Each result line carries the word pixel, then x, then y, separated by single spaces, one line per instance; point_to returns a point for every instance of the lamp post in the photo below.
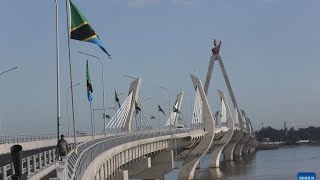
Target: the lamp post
pixel 68 106
pixel 164 88
pixel 8 70
pixel 173 143
pixel 100 109
pixel 2 74
pixel 103 90
pixel 129 76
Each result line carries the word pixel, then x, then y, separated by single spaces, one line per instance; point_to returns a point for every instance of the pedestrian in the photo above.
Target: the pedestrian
pixel 62 147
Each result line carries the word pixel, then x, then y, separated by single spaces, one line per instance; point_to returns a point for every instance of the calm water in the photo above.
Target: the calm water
pixel 283 163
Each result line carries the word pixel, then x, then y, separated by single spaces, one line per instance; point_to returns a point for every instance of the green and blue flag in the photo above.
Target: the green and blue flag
pixel 81 30
pixel 89 85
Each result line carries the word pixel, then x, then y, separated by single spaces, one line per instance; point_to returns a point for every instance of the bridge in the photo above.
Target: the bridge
pixel 132 148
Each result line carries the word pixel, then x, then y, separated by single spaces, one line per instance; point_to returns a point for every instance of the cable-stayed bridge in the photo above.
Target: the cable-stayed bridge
pixel 133 148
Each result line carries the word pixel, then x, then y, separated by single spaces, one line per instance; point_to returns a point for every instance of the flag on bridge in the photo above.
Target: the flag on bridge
pixel 89 85
pixel 116 98
pixel 161 110
pixel 81 30
pixel 137 107
pixel 175 110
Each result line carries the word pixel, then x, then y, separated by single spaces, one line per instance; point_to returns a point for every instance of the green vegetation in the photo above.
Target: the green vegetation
pixel 289 137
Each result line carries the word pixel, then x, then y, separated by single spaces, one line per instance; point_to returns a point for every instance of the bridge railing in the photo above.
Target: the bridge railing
pixel 32 137
pixel 31 164
pixel 87 152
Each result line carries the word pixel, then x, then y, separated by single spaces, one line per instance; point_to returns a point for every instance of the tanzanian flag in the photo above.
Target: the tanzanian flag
pixel 89 85
pixel 81 30
pixel 161 110
pixel 175 110
pixel 116 98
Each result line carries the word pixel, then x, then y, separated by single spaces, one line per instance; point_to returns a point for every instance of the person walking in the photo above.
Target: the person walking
pixel 62 147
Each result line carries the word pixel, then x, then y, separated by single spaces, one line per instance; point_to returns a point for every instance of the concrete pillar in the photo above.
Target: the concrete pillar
pixel 40 160
pixel 126 158
pixel 122 158
pixel 50 157
pixel 54 155
pixel 34 163
pixel 134 155
pixel 139 166
pixel 118 162
pixel 61 169
pixel 97 175
pixel 28 165
pixel 108 169
pixel 188 167
pixel 101 172
pixel 160 164
pixel 104 171
pixel 4 172
pixel 122 175
pixel 145 149
pixel 45 158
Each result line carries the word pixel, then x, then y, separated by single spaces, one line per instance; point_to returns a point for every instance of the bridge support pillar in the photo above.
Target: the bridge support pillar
pixel 228 151
pixel 122 175
pixel 160 164
pixel 240 145
pixel 139 166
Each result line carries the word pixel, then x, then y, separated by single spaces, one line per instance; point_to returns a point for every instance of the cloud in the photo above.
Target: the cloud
pixel 184 2
pixel 267 1
pixel 140 3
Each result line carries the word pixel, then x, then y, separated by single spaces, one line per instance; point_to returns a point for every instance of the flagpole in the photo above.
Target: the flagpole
pixel 92 124
pixel 158 120
pixel 70 75
pixel 58 71
pixel 103 90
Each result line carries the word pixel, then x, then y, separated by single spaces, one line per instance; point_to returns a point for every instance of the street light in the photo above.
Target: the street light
pixel 100 109
pixel 164 88
pixel 146 99
pixel 170 119
pixel 68 107
pixel 129 76
pixel 8 70
pixel 103 90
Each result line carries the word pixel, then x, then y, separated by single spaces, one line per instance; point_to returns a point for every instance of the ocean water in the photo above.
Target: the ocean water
pixel 279 164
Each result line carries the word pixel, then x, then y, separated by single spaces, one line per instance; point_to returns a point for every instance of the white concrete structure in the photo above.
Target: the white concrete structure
pixel 252 143
pixel 191 162
pixel 172 121
pixel 237 136
pixel 127 154
pixel 218 145
pixel 244 139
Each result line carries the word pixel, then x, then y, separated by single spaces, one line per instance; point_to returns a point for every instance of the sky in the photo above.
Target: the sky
pixel 269 48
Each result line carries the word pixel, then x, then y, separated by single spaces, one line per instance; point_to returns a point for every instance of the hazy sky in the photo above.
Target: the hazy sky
pixel 270 49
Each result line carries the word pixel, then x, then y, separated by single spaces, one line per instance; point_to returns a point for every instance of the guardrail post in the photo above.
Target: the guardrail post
pixel 28 166
pixel 40 160
pixel 54 155
pixel 12 167
pixel 45 159
pixel 61 169
pixel 4 172
pixel 50 156
pixel 34 160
